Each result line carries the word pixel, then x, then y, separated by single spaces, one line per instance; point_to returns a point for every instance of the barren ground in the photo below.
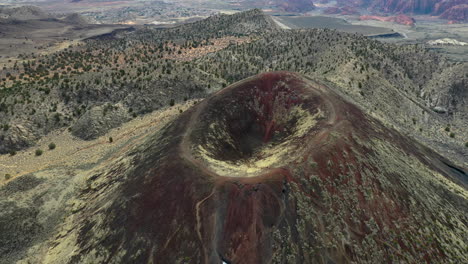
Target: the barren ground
pixel 43 37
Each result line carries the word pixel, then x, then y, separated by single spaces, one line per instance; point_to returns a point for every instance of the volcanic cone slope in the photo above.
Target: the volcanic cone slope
pixel 273 169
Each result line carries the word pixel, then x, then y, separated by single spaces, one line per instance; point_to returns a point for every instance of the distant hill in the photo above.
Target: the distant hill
pixel 296 5
pixel 244 23
pixel 447 9
pixel 456 13
pixel 24 13
pixel 76 19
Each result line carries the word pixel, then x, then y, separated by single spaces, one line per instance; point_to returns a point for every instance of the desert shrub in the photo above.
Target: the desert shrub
pixel 466 144
pixel 111 140
pixel 12 152
pixel 452 135
pixel 57 117
pixel 172 102
pixel 38 152
pixel 52 146
pixel 7 176
pixel 447 129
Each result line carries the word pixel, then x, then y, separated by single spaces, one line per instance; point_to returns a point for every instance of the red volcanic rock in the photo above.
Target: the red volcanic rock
pixel 404 20
pixel 457 13
pixel 273 169
pixel 400 19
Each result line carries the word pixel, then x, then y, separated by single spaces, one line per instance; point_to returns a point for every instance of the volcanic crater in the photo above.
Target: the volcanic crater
pixel 273 169
pixel 258 124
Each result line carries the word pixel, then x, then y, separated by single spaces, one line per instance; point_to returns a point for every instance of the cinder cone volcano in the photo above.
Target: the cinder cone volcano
pixel 273 169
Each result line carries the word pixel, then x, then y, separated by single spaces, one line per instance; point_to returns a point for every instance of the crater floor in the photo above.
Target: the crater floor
pixel 257 125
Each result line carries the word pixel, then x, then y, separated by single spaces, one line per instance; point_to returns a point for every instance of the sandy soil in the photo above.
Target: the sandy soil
pixel 72 152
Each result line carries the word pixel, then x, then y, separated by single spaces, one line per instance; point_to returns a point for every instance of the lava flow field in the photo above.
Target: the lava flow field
pixel 273 169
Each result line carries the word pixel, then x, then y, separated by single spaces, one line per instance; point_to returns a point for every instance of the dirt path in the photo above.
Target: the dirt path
pixel 72 152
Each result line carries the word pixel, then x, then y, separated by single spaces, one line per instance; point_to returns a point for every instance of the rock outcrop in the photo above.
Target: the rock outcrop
pixel 454 10
pixel 400 19
pixel 405 6
pixel 458 13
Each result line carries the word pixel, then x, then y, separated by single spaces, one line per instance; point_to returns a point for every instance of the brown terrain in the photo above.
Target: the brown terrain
pixel 32 31
pixel 181 53
pixel 400 19
pixel 273 169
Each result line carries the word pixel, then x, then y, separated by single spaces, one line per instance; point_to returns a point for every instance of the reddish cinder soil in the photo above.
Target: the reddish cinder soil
pixel 215 185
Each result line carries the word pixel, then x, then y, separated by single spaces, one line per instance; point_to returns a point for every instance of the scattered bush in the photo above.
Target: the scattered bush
pixel 447 129
pixel 111 140
pixel 466 144
pixel 12 152
pixel 452 135
pixel 52 146
pixel 172 102
pixel 38 152
pixel 7 177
